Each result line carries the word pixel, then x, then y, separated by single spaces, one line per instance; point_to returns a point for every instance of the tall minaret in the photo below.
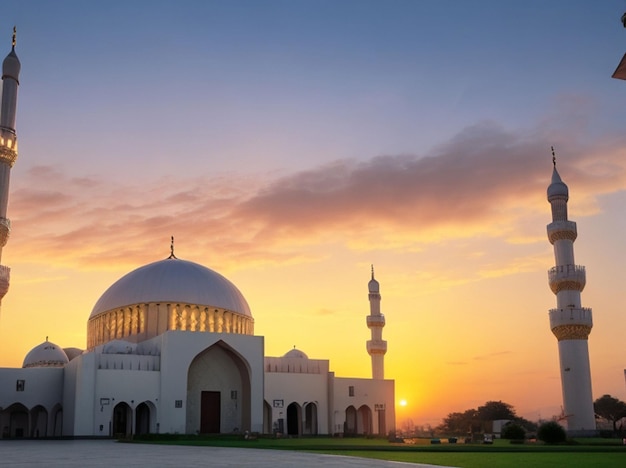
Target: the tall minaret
pixel 8 150
pixel 570 322
pixel 376 347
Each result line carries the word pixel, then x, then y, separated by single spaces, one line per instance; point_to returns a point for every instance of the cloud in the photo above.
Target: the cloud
pixel 495 354
pixel 485 181
pixel 482 178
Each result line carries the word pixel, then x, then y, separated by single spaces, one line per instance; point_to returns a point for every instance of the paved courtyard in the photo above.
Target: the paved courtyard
pixel 108 453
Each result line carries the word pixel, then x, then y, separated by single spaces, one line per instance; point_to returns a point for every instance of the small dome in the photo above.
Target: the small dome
pixel 557 188
pixel 72 353
pixel 46 354
pixel 11 66
pixel 296 353
pixel 119 347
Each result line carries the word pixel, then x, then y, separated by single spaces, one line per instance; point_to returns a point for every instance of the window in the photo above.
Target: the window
pixel 178 404
pixel 19 385
pixel 233 394
pixel 351 390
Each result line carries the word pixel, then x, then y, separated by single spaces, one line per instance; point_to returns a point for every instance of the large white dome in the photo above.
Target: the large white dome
pixel 174 281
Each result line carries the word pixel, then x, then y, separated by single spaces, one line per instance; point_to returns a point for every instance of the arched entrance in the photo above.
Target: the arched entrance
pixel 122 420
pixel 364 420
pixel 15 422
pixel 310 419
pixel 142 419
pixel 38 422
pixel 218 392
pixel 294 419
pixel 267 418
pixel 57 420
pixel 350 426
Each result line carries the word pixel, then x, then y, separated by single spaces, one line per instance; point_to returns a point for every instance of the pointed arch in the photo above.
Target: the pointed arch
pixel 122 420
pixel 38 422
pixel 350 424
pixel 218 391
pixel 145 417
pixel 15 421
pixel 56 416
pixel 364 420
pixel 310 419
pixel 267 418
pixel 294 419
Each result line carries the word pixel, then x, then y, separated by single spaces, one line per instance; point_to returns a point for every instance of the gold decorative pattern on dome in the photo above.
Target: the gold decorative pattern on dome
pixel 571 332
pixel 8 155
pixel 135 320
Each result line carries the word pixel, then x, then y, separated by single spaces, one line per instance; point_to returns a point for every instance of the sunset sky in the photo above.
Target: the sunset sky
pixel 290 144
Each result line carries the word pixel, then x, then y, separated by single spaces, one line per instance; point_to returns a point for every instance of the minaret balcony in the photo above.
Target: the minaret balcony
pixel 5 229
pixel 559 230
pixel 571 323
pixel 571 316
pixel 375 321
pixel 567 277
pixel 5 276
pixel 376 347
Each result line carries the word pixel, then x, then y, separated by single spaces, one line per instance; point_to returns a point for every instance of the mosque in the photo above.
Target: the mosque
pixel 171 349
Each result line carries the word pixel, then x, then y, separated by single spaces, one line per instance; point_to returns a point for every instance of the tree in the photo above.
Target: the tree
pixel 458 423
pixel 551 432
pixel 610 409
pixel 513 431
pixel 528 426
pixel 477 420
pixel 494 410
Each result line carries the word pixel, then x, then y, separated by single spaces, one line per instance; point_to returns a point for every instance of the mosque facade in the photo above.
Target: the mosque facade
pixel 171 349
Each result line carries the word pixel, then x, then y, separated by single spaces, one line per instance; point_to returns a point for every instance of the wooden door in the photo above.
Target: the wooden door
pixel 210 409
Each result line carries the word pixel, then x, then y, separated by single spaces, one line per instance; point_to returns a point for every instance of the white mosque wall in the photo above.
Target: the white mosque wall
pixel 78 395
pixel 180 348
pixel 95 383
pixel 30 400
pixel 130 387
pixel 285 388
pixel 373 404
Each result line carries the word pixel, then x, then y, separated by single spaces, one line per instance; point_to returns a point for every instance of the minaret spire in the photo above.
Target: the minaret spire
pixel 376 347
pixel 14 36
pixel 570 322
pixel 8 149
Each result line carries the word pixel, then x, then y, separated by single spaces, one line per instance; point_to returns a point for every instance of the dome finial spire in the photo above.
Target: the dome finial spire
pixel 372 265
pixel 553 156
pixel 172 249
pixel 14 36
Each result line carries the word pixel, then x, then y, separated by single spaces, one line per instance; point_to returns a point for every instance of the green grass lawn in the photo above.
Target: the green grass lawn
pixel 596 453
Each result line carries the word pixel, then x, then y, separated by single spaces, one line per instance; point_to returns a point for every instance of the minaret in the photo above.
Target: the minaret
pixel 570 322
pixel 376 347
pixel 8 150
